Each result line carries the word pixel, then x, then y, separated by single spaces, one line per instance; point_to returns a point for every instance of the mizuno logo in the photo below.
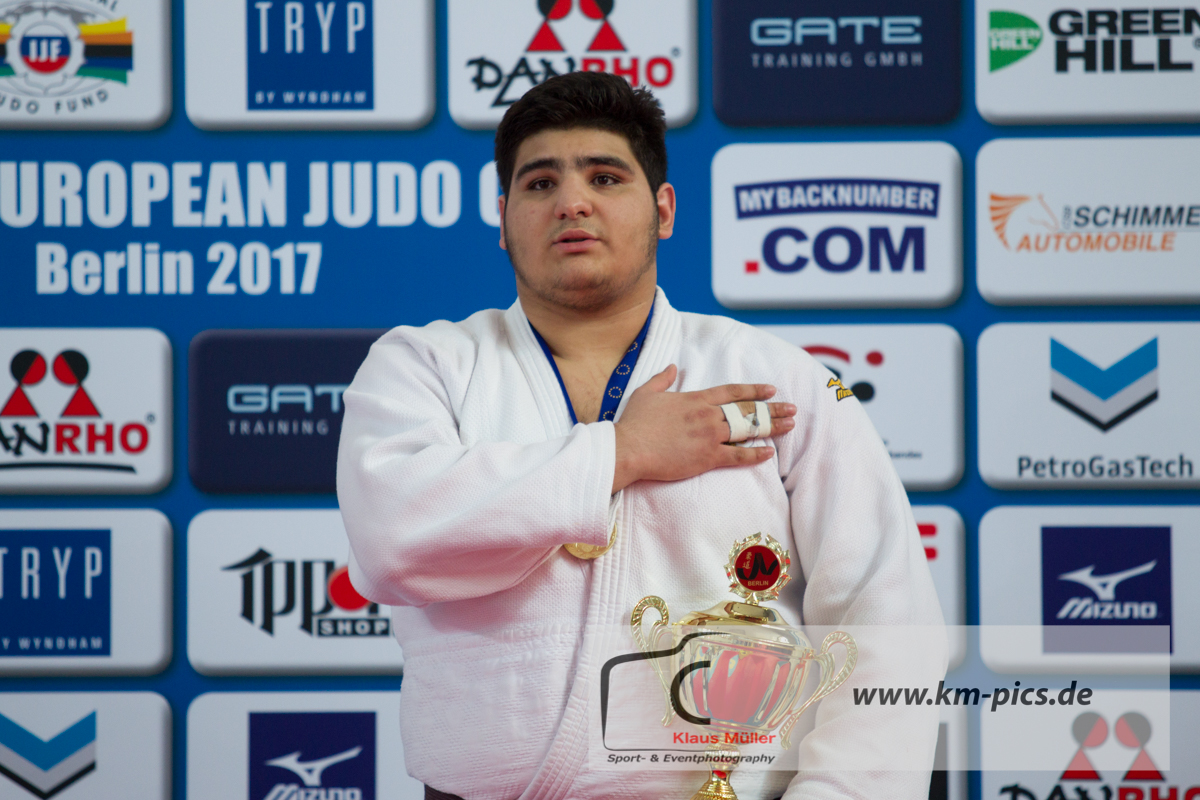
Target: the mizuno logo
pixel 1105 586
pixel 1104 397
pixel 46 767
pixel 310 771
pixel 842 391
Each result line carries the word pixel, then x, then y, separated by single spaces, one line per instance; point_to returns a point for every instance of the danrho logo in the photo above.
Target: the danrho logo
pixel 61 56
pixel 46 767
pixel 1104 397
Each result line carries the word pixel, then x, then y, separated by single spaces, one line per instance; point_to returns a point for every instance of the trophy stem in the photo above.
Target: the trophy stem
pixel 722 759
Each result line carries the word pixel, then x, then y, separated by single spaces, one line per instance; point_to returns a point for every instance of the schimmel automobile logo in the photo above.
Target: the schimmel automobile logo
pixel 1011 37
pixel 61 54
pixel 1027 223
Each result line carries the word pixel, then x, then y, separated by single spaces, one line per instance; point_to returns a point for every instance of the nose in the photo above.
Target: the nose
pixel 574 199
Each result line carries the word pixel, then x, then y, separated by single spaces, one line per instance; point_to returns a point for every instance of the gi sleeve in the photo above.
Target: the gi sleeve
pixel 866 571
pixel 430 519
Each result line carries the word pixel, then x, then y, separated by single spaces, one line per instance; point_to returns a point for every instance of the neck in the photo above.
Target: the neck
pixel 601 334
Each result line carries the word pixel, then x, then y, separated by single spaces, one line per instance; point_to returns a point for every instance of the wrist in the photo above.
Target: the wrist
pixel 626 470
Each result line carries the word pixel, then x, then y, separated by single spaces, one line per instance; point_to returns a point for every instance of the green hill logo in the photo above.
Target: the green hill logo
pixel 1011 37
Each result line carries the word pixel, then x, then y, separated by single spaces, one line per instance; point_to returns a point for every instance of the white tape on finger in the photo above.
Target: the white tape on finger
pixel 756 425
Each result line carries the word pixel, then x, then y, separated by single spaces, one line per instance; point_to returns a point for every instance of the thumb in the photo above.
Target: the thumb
pixel 663 380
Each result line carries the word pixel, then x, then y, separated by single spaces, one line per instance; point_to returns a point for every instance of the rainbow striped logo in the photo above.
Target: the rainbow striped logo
pixel 57 50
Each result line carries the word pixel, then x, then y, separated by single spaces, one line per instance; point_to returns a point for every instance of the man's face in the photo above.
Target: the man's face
pixel 579 221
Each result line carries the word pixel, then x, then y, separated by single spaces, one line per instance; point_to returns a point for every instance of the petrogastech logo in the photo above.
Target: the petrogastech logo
pixel 839 248
pixel 329 606
pixel 1098 40
pixel 45 767
pixel 60 58
pixel 1027 223
pixel 312 755
pixel 1104 397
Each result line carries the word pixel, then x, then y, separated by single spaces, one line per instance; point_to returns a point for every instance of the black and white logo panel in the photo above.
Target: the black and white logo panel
pixel 269 593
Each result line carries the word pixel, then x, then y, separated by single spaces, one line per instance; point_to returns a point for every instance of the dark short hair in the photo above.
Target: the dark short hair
pixel 586 100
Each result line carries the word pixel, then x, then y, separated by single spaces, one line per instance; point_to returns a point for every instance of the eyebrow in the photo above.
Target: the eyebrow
pixel 582 162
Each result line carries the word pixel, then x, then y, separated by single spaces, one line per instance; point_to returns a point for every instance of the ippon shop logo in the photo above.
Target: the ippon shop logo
pixel 326 605
pixel 1099 40
pixel 80 437
pixel 838 248
pixel 273 401
pixel 571 35
pixel 839 362
pixel 55 593
pixel 59 56
pixel 1027 223
pixel 1106 589
pixel 45 767
pixel 312 755
pixel 1104 397
pixel 836 41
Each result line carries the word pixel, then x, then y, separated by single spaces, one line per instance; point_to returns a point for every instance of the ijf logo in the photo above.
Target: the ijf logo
pixel 778 62
pixel 326 755
pixel 1104 397
pixel 856 235
pixel 45 767
pixel 1106 589
pixel 502 49
pixel 329 606
pixel 1026 223
pixel 84 409
pixel 55 593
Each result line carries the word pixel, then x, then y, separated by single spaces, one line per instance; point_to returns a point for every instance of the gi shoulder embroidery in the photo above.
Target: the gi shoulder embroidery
pixel 842 391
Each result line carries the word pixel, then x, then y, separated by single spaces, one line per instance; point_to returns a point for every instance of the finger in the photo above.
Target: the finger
pixel 777 409
pixel 746 456
pixel 663 380
pixel 733 392
pixel 782 425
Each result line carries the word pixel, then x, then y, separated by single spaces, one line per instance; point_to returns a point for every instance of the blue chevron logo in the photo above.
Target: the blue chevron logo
pixel 1104 397
pixel 44 767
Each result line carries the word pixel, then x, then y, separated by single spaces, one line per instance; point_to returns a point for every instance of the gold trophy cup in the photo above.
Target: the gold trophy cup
pixel 737 669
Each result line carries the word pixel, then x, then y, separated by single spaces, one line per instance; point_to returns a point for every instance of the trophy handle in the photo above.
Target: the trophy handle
pixel 828 682
pixel 647 647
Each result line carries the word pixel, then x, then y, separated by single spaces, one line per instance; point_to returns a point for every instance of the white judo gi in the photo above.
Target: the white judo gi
pixel 459 477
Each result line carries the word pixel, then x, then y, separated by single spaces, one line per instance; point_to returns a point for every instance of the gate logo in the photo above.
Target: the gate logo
pixel 787 240
pixel 1106 589
pixel 329 606
pixel 778 62
pixel 55 593
pixel 1104 397
pixel 310 55
pixel 45 767
pixel 69 62
pixel 500 50
pixel 325 755
pixel 266 407
pixel 81 418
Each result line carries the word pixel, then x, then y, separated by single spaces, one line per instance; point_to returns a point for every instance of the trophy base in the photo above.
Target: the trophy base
pixel 716 788
pixel 725 758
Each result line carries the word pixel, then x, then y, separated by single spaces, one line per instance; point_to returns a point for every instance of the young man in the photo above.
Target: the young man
pixel 515 482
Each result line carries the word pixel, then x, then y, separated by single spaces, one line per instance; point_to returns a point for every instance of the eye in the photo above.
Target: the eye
pixel 605 179
pixel 541 184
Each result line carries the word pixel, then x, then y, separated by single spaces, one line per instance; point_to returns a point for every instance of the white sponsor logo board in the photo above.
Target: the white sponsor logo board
pixel 230 740
pixel 1089 588
pixel 268 593
pixel 1088 220
pixel 828 225
pixel 1089 405
pixel 909 380
pixel 1125 745
pixel 943 535
pixel 81 64
pixel 952 754
pixel 310 65
pixel 85 409
pixel 501 49
pixel 78 746
pixel 1038 62
pixel 85 592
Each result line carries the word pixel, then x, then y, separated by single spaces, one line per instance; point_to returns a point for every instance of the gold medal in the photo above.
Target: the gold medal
pixel 589 551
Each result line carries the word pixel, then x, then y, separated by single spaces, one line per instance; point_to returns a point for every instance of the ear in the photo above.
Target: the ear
pixel 500 202
pixel 665 199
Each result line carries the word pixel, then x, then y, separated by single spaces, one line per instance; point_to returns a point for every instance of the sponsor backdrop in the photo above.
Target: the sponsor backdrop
pixel 979 215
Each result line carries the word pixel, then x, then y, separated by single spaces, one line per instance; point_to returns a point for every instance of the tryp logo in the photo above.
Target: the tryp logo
pixel 318 755
pixel 80 416
pixel 1106 589
pixel 1028 224
pixel 44 767
pixel 266 407
pixel 55 593
pixel 329 606
pixel 310 55
pixel 781 63
pixel 1104 397
pixel 500 50
pixel 1011 37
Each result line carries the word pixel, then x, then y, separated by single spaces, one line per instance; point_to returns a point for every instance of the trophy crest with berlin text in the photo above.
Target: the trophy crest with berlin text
pixel 738 669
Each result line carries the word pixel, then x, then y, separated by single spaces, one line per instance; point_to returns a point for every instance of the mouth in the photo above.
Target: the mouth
pixel 574 237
